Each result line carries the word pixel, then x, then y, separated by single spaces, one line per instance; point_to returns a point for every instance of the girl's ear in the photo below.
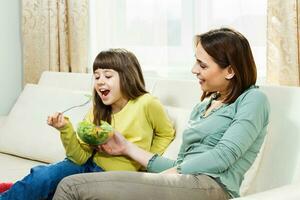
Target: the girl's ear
pixel 229 73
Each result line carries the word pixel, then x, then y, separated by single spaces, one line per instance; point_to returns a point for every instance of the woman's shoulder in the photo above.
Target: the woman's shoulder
pixel 254 92
pixel 253 96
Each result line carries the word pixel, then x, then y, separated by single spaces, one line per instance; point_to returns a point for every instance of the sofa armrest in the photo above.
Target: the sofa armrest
pixel 287 192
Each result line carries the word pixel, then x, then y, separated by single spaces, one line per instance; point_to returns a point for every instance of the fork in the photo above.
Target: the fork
pixel 77 106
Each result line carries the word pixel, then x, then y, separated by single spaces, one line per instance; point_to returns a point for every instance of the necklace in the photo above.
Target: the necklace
pixel 211 107
pixel 215 95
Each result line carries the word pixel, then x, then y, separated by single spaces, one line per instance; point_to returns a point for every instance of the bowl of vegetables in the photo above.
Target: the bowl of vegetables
pixel 91 134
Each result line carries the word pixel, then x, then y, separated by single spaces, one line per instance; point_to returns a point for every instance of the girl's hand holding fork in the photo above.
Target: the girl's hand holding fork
pixel 57 120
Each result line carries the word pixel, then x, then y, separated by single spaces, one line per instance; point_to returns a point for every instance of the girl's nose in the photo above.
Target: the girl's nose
pixel 100 81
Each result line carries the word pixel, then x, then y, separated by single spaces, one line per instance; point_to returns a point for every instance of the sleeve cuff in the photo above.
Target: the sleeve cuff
pixel 150 162
pixel 67 128
pixel 158 164
pixel 178 169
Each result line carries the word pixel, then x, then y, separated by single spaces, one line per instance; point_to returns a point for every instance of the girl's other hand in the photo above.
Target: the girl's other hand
pixel 57 120
pixel 117 145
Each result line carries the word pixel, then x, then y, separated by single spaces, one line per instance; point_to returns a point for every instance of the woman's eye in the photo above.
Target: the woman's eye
pixel 96 77
pixel 108 77
pixel 203 66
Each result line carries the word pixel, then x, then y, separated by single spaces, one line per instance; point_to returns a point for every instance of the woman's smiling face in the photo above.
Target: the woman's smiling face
pixel 211 76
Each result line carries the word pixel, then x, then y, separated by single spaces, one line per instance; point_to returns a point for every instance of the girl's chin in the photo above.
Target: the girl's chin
pixel 105 101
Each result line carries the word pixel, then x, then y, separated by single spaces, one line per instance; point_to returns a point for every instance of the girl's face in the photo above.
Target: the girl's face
pixel 211 76
pixel 107 85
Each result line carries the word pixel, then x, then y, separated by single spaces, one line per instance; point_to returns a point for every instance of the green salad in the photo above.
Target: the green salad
pixel 94 135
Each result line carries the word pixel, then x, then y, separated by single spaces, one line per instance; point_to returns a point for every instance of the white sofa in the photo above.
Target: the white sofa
pixel 26 140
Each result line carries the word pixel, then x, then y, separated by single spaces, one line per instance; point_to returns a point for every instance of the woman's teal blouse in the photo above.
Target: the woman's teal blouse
pixel 223 144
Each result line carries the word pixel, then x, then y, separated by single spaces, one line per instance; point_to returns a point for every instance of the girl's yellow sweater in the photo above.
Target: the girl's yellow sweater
pixel 142 121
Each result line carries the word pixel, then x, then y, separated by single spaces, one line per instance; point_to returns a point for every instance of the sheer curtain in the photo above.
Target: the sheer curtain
pixel 160 32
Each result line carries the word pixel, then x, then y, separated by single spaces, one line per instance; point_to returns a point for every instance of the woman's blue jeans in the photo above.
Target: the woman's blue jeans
pixel 43 180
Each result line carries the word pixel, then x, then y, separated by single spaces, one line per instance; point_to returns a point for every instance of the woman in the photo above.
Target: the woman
pixel 225 132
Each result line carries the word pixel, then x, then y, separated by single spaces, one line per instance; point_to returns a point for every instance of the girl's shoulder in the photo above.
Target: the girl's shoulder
pixel 145 99
pixel 148 102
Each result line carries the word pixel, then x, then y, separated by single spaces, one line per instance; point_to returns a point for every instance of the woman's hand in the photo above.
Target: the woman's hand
pixel 57 120
pixel 117 145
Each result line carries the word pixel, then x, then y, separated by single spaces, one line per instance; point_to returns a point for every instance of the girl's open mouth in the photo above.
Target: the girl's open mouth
pixel 104 92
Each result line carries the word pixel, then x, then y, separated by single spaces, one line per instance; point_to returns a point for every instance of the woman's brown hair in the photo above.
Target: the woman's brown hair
pixel 132 84
pixel 228 47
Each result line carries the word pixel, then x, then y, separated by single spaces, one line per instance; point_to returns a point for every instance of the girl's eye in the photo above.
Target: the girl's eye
pixel 108 77
pixel 97 77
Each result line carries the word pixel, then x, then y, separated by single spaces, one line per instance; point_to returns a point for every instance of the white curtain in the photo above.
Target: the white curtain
pixel 160 32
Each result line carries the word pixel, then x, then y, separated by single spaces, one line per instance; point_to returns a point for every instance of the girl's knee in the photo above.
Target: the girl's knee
pixel 43 175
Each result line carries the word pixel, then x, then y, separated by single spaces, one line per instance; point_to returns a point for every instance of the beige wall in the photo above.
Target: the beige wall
pixel 10 54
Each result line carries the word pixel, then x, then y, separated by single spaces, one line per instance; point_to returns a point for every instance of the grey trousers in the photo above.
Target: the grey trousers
pixel 138 186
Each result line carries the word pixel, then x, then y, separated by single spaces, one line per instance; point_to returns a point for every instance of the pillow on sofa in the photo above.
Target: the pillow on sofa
pixel 26 133
pixel 179 117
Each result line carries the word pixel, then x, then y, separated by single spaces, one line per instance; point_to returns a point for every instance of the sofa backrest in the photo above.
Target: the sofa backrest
pixel 177 93
pixel 179 97
pixel 280 162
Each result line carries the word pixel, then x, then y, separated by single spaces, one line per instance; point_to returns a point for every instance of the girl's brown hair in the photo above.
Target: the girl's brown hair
pixel 228 47
pixel 132 84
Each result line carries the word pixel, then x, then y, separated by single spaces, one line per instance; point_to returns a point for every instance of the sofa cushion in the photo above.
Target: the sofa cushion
pixel 179 117
pixel 13 168
pixel 249 177
pixel 26 133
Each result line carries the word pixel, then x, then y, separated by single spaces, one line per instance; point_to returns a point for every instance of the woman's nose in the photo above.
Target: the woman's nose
pixel 195 69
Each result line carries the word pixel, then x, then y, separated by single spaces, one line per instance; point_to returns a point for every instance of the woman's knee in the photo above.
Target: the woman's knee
pixel 66 189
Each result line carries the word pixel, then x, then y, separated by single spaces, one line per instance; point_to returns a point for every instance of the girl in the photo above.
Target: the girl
pixel 224 135
pixel 119 98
